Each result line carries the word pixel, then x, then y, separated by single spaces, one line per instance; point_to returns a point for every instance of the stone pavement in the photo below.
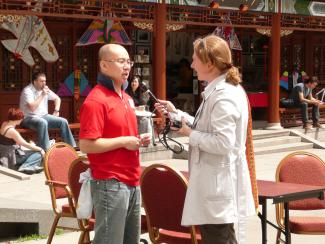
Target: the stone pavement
pixel 35 192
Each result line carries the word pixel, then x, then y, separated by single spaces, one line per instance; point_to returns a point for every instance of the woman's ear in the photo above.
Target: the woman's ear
pixel 210 65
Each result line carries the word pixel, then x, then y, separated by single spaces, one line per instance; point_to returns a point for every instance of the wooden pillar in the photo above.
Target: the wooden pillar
pixel 274 78
pixel 159 74
pixel 309 51
pixel 74 65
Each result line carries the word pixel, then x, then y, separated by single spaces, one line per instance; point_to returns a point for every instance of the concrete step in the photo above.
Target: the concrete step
pixel 283 148
pixel 276 141
pixel 263 134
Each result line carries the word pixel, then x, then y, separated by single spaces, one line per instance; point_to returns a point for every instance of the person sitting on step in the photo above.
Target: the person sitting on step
pixel 300 97
pixel 11 154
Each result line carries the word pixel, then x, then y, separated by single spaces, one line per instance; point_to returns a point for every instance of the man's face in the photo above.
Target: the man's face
pixel 313 85
pixel 40 82
pixel 117 65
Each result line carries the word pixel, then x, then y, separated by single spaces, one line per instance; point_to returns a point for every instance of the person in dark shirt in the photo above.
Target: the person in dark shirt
pixel 300 97
pixel 134 90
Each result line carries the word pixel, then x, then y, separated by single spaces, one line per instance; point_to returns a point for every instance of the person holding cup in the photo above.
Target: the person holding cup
pixel 109 136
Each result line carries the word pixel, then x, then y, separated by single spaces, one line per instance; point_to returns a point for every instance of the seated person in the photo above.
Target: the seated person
pixel 300 97
pixel 140 100
pixel 34 104
pixel 11 155
pixel 134 90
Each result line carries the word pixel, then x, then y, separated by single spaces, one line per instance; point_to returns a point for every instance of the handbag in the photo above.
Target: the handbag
pixel 85 201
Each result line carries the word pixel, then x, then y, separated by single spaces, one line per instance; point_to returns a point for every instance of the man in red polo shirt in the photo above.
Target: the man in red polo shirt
pixel 109 136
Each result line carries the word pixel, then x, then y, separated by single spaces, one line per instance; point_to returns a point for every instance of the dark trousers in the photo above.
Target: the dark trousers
pixel 290 103
pixel 218 234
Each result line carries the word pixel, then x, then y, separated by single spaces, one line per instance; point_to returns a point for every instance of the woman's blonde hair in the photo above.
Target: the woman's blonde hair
pixel 216 50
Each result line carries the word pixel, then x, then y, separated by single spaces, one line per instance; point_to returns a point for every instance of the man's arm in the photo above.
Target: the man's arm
pixel 57 105
pixel 33 105
pixel 310 100
pixel 57 102
pixel 314 99
pixel 102 145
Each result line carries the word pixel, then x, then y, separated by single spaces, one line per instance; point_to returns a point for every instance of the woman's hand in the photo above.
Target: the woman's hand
pixel 164 107
pixel 38 149
pixel 185 130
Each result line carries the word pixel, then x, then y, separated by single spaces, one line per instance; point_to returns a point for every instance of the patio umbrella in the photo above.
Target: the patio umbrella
pixel 104 31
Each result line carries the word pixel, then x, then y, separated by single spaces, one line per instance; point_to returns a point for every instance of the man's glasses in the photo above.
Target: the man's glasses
pixel 121 61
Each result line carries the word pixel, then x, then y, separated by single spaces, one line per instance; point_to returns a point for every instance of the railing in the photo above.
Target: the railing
pixel 301 22
pixel 145 12
pixel 91 9
pixel 194 15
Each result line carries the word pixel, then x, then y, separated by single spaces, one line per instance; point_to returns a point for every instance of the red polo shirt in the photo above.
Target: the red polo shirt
pixel 104 114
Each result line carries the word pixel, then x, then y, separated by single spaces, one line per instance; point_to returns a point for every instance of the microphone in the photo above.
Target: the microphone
pixel 145 89
pixel 175 118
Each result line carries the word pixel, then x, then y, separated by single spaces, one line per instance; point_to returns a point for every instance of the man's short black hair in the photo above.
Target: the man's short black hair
pixel 307 80
pixel 36 75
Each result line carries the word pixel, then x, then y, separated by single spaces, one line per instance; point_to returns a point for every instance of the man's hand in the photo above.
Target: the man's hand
pixel 45 90
pixel 145 139
pixel 317 102
pixel 132 142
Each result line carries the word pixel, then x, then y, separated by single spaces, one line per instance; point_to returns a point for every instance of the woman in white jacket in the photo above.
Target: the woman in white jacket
pixel 219 194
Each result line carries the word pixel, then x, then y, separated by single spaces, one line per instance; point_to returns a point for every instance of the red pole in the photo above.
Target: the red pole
pixel 274 82
pixel 159 58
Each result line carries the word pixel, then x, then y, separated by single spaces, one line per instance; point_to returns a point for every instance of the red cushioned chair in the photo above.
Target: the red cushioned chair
pixel 302 168
pixel 57 162
pixel 163 194
pixel 78 166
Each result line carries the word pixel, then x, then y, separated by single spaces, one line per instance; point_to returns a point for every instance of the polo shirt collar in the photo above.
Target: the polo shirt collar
pixel 108 82
pixel 32 87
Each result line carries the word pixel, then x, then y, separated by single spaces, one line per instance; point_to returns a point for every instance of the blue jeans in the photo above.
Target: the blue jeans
pixel 28 161
pixel 117 212
pixel 290 103
pixel 41 126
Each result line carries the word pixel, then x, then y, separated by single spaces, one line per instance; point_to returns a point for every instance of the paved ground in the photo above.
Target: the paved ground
pixel 34 190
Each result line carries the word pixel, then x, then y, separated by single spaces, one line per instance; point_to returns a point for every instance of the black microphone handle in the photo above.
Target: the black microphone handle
pixel 153 96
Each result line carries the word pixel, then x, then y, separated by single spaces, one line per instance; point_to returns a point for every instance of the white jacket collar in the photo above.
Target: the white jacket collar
pixel 217 84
